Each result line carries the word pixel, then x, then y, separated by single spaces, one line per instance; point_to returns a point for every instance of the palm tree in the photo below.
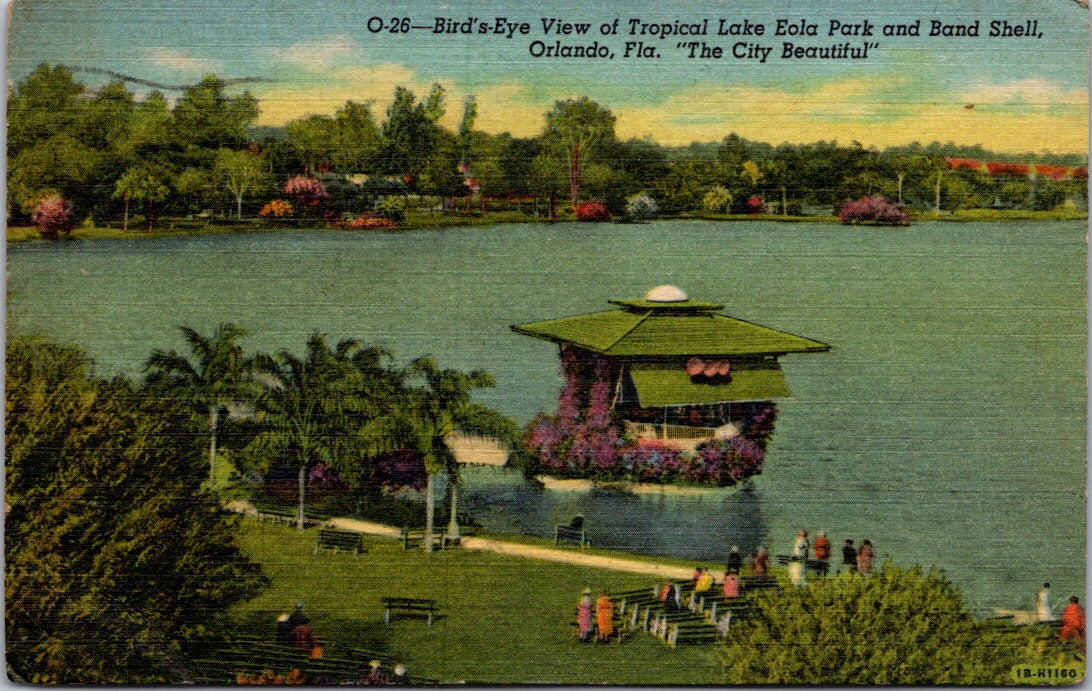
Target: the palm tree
pixel 325 406
pixel 212 381
pixel 437 407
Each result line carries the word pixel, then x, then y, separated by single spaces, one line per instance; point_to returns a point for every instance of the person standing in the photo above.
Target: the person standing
pixel 800 549
pixel 849 555
pixel 1042 604
pixel 760 563
pixel 1072 623
pixel 734 561
pixel 865 555
pixel 821 548
pixel 604 617
pixel 584 615
pixel 730 587
pixel 705 582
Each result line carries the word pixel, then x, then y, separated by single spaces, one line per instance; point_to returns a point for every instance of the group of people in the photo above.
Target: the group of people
pixel 1072 628
pixel 295 630
pixel 375 675
pixel 601 615
pixel 857 559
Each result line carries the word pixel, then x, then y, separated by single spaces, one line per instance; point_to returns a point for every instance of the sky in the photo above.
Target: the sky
pixel 1028 94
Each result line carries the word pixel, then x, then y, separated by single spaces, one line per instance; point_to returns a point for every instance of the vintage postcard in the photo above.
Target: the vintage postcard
pixel 489 342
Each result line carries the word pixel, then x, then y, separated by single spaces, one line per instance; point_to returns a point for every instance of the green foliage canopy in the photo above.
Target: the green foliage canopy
pixel 115 559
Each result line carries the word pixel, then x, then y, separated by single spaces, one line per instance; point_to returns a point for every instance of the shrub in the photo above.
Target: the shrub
pixel 278 208
pixel 717 200
pixel 306 191
pixel 875 209
pixel 641 207
pixel 755 204
pixel 53 216
pixel 368 223
pixel 897 626
pixel 594 211
pixel 393 209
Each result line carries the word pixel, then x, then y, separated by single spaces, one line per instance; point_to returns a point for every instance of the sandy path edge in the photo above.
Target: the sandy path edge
pixel 502 547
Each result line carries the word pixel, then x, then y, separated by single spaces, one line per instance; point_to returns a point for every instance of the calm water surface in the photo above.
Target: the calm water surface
pixel 947 424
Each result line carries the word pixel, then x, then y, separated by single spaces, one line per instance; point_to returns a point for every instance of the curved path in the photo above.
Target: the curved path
pixel 516 549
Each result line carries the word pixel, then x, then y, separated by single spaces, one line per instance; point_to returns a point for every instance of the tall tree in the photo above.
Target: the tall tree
pixel 240 172
pixel 410 132
pixel 357 137
pixel 148 183
pixel 206 118
pixel 573 130
pixel 43 105
pixel 116 562
pixel 214 379
pixel 439 404
pixel 308 404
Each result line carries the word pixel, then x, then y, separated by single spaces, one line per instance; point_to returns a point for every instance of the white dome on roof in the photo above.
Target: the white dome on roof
pixel 666 293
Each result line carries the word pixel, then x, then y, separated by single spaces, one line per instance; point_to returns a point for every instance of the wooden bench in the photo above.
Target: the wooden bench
pixel 412 538
pixel 412 606
pixel 811 564
pixel 570 534
pixel 340 540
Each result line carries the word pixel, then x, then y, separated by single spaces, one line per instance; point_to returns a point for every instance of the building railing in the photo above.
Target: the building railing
pixel 685 436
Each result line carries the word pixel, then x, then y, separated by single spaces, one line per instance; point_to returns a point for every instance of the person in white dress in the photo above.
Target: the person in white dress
pixel 1042 604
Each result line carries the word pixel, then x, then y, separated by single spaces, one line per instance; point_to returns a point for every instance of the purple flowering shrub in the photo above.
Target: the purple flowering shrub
pixel 401 469
pixel 584 439
pixel 875 209
pixel 305 191
pixel 53 216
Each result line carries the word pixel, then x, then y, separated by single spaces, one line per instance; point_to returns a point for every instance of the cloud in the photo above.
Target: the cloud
pixel 181 60
pixel 316 55
pixel 1031 92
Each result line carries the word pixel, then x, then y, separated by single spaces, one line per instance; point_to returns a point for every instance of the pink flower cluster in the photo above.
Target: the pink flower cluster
pixel 53 216
pixel 592 211
pixel 306 191
pixel 875 209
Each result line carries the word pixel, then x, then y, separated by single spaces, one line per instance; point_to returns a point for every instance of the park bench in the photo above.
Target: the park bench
pixel 340 540
pixel 811 564
pixel 753 582
pixel 411 606
pixel 412 538
pixel 574 532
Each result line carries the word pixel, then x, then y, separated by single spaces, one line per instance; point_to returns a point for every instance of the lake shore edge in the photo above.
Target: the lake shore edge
pixel 418 222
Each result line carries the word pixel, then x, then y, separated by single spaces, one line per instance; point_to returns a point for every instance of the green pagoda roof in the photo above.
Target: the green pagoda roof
pixel 668 328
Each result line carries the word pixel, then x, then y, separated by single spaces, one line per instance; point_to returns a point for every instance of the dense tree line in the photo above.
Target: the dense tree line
pixel 110 155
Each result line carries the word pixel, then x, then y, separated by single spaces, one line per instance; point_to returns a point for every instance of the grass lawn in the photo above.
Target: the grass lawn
pixel 504 619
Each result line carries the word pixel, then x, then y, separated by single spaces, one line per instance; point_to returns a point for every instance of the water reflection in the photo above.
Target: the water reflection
pixel 692 525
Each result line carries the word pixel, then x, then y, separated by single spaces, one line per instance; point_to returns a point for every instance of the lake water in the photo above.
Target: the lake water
pixel 947 424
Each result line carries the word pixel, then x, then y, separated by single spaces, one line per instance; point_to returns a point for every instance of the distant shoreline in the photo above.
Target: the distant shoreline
pixel 425 221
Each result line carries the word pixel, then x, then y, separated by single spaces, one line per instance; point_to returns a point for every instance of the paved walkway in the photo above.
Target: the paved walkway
pixel 515 549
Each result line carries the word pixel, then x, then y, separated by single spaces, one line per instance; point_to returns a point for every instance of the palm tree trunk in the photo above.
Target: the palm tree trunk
pixel 901 176
pixel 214 415
pixel 936 203
pixel 239 206
pixel 430 508
pixel 453 523
pixel 303 485
pixel 125 218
